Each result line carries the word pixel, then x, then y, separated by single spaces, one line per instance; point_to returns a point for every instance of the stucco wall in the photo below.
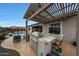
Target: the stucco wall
pixel 69 29
pixel 45 29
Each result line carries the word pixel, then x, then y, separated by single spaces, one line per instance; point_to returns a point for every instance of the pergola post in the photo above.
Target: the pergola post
pixel 77 32
pixel 26 30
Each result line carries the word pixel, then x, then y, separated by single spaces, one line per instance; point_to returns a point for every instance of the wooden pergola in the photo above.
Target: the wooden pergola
pixel 43 13
pixel 50 12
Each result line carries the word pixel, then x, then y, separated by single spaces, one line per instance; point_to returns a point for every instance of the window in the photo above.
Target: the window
pixel 55 28
pixel 37 28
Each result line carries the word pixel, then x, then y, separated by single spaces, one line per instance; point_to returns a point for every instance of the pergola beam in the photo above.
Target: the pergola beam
pixel 63 18
pixel 38 20
pixel 35 19
pixel 61 9
pixel 37 12
pixel 62 6
pixel 49 14
pixel 40 17
pixel 44 18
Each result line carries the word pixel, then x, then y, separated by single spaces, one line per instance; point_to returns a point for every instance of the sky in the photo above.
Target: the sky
pixel 12 14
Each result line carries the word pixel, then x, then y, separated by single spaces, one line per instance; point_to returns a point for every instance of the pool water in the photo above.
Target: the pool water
pixel 22 34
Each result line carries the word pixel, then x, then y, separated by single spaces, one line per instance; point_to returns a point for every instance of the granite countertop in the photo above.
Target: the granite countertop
pixel 47 39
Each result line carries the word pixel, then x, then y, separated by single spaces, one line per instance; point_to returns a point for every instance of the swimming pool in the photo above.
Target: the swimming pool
pixel 21 34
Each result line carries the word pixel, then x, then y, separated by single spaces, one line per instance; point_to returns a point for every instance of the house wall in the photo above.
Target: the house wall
pixel 69 29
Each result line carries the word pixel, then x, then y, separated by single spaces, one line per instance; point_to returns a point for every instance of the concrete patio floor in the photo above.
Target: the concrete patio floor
pixel 7 52
pixel 24 49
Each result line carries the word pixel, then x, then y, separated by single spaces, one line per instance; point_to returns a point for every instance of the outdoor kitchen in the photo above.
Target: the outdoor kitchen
pixel 42 44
